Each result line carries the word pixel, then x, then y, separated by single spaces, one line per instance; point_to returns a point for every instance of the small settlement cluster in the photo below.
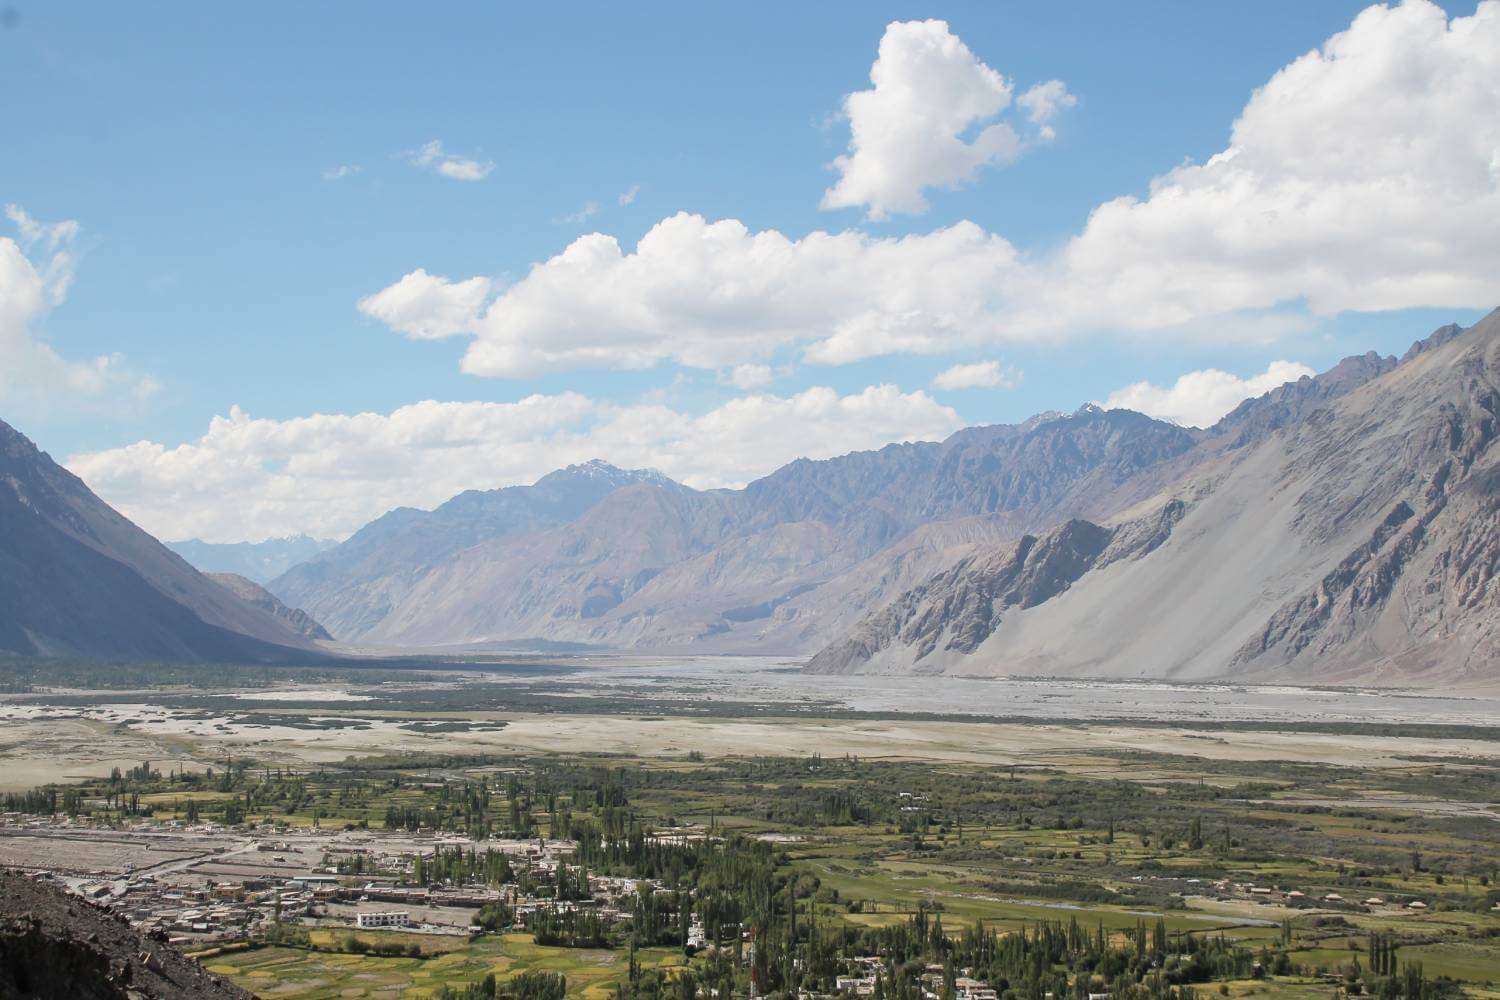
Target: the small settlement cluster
pixel 206 883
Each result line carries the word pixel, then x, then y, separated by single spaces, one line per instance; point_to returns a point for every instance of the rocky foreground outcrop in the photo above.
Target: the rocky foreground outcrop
pixel 55 946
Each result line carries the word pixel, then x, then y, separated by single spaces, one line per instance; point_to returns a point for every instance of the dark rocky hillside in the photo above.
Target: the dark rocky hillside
pixel 55 946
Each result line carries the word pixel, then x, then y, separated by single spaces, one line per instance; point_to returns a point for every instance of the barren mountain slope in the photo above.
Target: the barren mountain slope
pixel 1357 542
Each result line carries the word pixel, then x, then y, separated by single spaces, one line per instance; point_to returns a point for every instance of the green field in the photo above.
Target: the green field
pixel 316 975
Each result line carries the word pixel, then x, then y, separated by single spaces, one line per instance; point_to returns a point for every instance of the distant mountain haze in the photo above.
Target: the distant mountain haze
pixel 356 584
pixel 255 561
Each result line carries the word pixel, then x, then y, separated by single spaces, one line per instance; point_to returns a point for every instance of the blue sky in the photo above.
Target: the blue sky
pixel 191 144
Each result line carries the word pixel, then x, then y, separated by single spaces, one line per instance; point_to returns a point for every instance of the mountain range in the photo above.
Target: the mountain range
pixel 1338 528
pixel 935 556
pixel 628 558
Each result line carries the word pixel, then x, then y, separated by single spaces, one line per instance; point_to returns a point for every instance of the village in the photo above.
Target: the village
pixel 206 885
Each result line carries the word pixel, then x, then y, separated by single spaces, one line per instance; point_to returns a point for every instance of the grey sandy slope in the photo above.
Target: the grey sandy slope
pixel 78 578
pixel 1348 536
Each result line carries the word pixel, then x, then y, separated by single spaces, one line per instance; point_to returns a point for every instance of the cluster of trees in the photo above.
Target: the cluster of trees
pixel 354 945
pixel 351 864
pixel 796 951
pixel 580 927
pixel 522 986
pixel 1388 979
pixel 1412 983
pixel 48 800
pixel 456 866
pixel 494 916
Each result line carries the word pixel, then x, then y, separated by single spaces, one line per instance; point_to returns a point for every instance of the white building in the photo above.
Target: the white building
pixel 392 918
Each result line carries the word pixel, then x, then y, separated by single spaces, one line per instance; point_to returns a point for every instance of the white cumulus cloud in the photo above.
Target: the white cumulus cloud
pixel 1199 399
pixel 907 133
pixel 1362 176
pixel 428 306
pixel 710 294
pixel 979 375
pixel 1044 102
pixel 36 272
pixel 432 156
pixel 751 376
pixel 327 474
pixel 342 171
pixel 930 120
pixel 1356 178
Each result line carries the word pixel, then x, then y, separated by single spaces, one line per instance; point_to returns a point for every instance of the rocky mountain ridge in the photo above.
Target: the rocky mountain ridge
pixel 786 565
pixel 653 565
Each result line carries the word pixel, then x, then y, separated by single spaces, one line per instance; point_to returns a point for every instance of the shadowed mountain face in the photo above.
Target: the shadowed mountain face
pixel 77 578
pixel 1342 528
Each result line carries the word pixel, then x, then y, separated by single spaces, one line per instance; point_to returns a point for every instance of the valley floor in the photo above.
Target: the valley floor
pixel 743 705
pixel 1299 825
